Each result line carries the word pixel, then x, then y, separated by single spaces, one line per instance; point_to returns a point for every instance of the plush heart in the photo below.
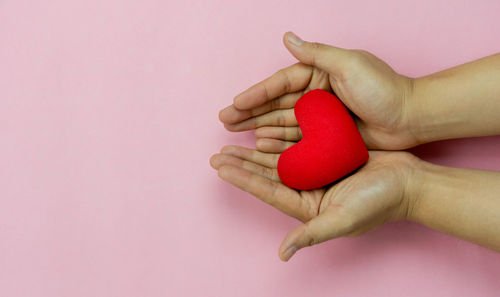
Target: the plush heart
pixel 331 145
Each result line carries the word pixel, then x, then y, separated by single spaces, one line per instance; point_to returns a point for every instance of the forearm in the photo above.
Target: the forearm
pixel 461 202
pixel 463 101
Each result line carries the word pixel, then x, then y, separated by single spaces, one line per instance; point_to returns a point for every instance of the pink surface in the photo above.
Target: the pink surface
pixel 108 115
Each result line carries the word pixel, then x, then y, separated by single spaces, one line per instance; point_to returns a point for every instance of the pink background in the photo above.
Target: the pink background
pixel 108 116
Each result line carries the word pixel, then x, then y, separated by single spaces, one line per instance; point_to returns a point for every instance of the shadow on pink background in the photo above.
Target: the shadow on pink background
pixel 108 116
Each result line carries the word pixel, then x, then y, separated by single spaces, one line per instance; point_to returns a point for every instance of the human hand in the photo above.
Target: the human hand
pixel 373 195
pixel 378 96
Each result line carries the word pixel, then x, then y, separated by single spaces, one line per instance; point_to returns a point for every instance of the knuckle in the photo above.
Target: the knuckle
pixel 299 133
pixel 358 57
pixel 274 104
pixel 286 133
pixel 280 119
pixel 268 172
pixel 273 201
pixel 316 45
pixel 276 158
pixel 286 81
pixel 283 145
pixel 312 238
pixel 361 52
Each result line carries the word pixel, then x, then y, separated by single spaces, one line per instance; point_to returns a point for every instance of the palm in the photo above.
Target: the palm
pixel 361 201
pixel 371 196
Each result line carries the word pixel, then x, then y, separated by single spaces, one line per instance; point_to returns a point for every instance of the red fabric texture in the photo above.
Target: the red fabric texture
pixel 331 146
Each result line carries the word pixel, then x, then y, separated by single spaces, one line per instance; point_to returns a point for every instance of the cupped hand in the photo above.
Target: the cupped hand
pixel 375 194
pixel 379 97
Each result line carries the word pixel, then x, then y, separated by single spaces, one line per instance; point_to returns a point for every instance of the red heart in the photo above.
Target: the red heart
pixel 331 145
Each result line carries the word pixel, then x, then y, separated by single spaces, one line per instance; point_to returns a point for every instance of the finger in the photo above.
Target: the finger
pixel 288 80
pixel 282 133
pixel 232 115
pixel 273 193
pixel 280 117
pixel 325 226
pixel 268 145
pixel 267 160
pixel 220 160
pixel 328 58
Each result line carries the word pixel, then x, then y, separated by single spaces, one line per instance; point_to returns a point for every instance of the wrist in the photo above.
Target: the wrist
pixel 426 179
pixel 408 125
pixel 432 111
pixel 415 180
pixel 411 173
pixel 414 110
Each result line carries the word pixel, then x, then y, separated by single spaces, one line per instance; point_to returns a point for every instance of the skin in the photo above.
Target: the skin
pixel 355 205
pixel 392 112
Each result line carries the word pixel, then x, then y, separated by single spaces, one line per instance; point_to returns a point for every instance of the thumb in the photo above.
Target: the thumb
pixel 325 57
pixel 325 226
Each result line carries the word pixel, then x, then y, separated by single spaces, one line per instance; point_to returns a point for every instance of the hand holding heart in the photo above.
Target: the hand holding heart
pixel 391 112
pixel 357 204
pixel 378 97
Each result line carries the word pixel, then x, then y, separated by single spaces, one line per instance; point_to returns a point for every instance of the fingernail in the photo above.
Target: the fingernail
pixel 260 144
pixel 214 162
pixel 289 252
pixel 294 39
pixel 223 110
pixel 227 150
